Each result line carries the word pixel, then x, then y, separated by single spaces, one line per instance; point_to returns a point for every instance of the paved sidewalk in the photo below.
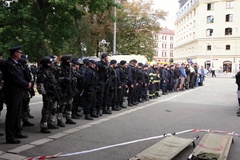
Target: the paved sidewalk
pixel 221 75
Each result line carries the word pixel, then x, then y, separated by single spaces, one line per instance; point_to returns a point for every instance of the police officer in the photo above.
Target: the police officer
pixel 47 86
pixel 139 79
pixel 171 78
pixel 113 86
pixel 1 85
pixel 77 97
pixel 90 87
pixel 145 83
pixel 14 85
pixel 121 83
pixel 103 84
pixel 238 83
pixel 165 79
pixel 68 83
pixel 131 82
pixel 28 93
pixel 156 79
pixel 82 71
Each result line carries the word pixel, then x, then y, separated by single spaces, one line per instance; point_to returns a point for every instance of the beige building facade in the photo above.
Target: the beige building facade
pixel 208 32
pixel 164 46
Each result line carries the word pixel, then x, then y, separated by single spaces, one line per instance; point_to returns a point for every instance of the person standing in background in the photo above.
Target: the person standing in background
pixel 238 83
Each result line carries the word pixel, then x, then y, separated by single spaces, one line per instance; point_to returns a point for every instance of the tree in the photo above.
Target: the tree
pixel 137 22
pixel 45 26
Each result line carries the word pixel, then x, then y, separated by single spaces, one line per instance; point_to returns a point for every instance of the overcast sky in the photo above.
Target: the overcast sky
pixel 170 6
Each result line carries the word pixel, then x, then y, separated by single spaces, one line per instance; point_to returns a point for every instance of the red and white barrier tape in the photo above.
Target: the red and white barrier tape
pixel 130 142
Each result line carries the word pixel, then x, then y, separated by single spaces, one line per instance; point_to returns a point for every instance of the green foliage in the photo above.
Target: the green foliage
pixel 77 27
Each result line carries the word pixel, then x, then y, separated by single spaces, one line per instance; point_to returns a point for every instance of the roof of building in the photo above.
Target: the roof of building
pixel 167 31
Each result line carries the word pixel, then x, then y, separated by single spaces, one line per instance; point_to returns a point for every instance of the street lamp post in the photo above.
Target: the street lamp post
pixel 114 29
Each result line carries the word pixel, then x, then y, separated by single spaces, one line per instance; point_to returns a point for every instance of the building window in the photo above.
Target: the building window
pixel 210 6
pixel 210 19
pixel 171 46
pixel 171 54
pixel 228 47
pixel 229 18
pixel 162 45
pixel 229 4
pixel 209 32
pixel 209 47
pixel 228 31
pixel 165 46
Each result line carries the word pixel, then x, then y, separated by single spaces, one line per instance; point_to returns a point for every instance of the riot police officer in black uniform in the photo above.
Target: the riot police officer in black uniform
pixel 1 86
pixel 113 86
pixel 132 83
pixel 165 79
pixel 139 79
pixel 90 87
pixel 121 83
pixel 68 84
pixel 77 97
pixel 49 88
pixel 103 84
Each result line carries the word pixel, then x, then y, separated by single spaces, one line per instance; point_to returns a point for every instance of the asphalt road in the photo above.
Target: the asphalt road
pixel 212 106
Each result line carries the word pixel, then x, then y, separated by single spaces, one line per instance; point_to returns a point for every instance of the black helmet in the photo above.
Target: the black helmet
pixel 22 61
pixel 65 58
pixel 45 61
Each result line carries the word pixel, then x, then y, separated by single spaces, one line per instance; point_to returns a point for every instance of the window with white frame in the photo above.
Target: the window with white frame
pixel 228 31
pixel 229 4
pixel 210 6
pixel 209 32
pixel 229 17
pixel 210 19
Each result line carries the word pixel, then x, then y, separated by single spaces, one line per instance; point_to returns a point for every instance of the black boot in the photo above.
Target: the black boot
pixel 70 121
pixel 116 107
pixel 87 117
pixel 78 114
pixel 27 124
pixel 134 103
pixel 122 106
pixel 94 115
pixel 106 112
pixel 109 109
pixel 130 104
pixel 60 123
pixel 29 115
pixel 99 113
pixel 45 130
pixel 74 116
